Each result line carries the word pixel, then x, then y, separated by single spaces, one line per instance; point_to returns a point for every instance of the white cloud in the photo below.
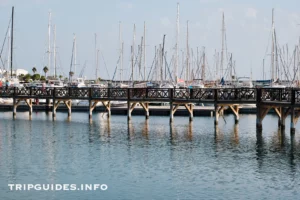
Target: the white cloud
pixel 251 13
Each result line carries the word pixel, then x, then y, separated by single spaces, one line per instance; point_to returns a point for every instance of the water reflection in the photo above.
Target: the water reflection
pixel 260 150
pixel 145 130
pixel 235 134
pixel 190 131
pixel 182 156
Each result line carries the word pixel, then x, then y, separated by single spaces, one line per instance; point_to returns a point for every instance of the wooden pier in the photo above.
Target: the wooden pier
pixel 284 101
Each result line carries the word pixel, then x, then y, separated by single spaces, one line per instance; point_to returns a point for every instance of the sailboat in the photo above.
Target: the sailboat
pixel 11 80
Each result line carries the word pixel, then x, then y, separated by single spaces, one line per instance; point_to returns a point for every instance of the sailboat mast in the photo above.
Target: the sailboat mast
pixel 223 43
pixel 187 51
pixel 273 46
pixel 8 55
pixel 133 56
pixel 75 54
pixel 162 58
pixel 12 42
pixel 120 46
pixel 96 57
pixel 144 51
pixel 177 46
pixel 122 59
pixel 54 51
pixel 49 41
pixel 203 66
pixel 140 61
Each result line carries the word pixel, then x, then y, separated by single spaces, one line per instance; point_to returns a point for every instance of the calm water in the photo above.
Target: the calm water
pixel 148 159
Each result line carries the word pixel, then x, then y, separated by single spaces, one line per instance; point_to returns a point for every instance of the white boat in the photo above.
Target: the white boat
pixel 79 83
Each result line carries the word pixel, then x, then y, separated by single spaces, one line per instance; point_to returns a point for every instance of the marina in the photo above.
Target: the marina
pixel 149 100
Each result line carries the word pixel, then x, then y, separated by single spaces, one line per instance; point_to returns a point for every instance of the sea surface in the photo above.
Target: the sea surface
pixel 148 159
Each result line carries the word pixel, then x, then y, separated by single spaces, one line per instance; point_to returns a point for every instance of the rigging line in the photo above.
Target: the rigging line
pixel 4 42
pixel 168 67
pixel 267 49
pixel 151 66
pixel 104 63
pixel 287 74
pixel 116 68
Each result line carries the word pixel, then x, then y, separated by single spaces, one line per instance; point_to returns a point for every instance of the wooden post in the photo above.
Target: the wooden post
pixel 14 108
pixel 282 118
pixel 54 109
pixel 69 108
pixel 217 114
pixel 171 112
pixel 258 118
pixel 30 108
pixel 293 120
pixel 147 111
pixel 258 109
pixel 146 108
pixel 191 112
pixel 90 110
pixel 108 109
pixel 128 110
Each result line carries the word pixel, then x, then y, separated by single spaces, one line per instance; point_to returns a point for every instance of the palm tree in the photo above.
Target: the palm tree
pixel 33 70
pixel 45 69
pixel 60 77
pixel 71 74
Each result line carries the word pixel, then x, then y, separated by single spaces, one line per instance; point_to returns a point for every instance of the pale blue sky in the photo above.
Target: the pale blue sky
pixel 248 25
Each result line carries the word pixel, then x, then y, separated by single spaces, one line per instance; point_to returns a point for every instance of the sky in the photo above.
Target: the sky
pixel 248 25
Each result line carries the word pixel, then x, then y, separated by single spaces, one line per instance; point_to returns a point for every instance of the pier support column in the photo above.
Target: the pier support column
pixel 130 107
pixel 190 108
pixel 146 108
pixel 171 112
pixel 29 103
pixel 278 112
pixel 128 111
pixel 218 111
pixel 68 103
pixel 282 114
pixel 14 108
pixel 90 110
pixel 282 119
pixel 294 119
pixel 106 104
pixel 15 105
pixel 54 107
pixel 260 115
pixel 235 110
pixel 92 106
pixel 216 115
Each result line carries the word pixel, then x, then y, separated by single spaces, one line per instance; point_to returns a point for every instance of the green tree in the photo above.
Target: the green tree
pixel 42 78
pixel 60 77
pixel 27 77
pixel 33 70
pixel 45 69
pixel 36 77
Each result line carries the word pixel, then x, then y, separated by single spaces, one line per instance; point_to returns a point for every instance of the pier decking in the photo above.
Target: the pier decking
pixel 284 101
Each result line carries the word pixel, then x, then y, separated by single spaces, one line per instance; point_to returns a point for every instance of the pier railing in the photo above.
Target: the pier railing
pixel 210 95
